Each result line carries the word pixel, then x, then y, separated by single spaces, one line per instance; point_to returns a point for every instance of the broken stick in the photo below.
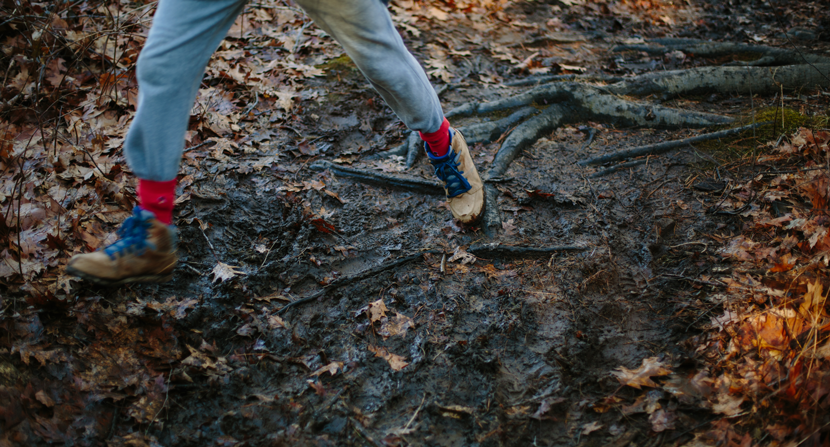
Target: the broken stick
pixel 380 178
pixel 662 148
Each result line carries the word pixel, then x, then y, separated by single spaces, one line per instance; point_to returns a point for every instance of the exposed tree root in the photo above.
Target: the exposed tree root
pixel 491 220
pixel 501 251
pixel 666 146
pixel 409 183
pixel 767 56
pixel 525 135
pixel 740 80
pixel 537 80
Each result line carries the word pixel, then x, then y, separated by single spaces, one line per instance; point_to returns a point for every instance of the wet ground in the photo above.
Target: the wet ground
pixel 448 349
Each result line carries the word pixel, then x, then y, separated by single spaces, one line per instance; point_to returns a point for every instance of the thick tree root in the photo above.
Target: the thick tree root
pixel 589 103
pixel 524 135
pixel 701 48
pixel 661 148
pixel 409 183
pixel 502 251
pixel 732 80
pixel 538 80
pixel 414 149
pixel 491 130
pixel 491 220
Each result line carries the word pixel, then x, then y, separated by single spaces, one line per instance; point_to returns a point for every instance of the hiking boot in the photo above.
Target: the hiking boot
pixel 145 252
pixel 462 184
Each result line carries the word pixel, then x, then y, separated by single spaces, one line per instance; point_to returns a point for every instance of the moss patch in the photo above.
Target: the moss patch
pixel 338 65
pixel 748 142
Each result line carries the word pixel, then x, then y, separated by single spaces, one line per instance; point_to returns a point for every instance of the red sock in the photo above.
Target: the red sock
pixel 438 141
pixel 157 197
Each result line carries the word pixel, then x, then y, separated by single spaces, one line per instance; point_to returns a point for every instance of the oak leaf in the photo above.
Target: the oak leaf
pixel 395 361
pixel 641 376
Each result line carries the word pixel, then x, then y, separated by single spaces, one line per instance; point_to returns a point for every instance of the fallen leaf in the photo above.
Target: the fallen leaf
pixel 331 368
pixel 587 429
pixel 460 255
pixel 376 310
pixel 662 420
pixel 641 376
pixel 44 398
pixel 728 405
pixel 397 325
pixel 395 361
pixel 225 272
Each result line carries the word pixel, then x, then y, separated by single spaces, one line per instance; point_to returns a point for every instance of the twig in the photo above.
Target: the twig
pixel 348 280
pixel 661 148
pixel 496 250
pixel 418 410
pixel 360 431
pixel 164 404
pixel 370 176
pixel 657 188
pixel 616 168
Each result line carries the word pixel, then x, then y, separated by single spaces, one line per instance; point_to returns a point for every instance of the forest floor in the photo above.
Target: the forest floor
pixel 615 341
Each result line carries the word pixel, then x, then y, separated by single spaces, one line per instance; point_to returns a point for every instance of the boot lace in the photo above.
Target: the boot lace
pixel 132 236
pixel 446 169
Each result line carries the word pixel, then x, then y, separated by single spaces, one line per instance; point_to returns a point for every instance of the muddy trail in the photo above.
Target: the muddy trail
pixel 405 328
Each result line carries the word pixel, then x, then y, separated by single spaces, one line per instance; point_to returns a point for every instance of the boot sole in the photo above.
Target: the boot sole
pixel 117 282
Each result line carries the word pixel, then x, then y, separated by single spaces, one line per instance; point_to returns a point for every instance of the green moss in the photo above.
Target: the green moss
pixel 751 142
pixel 338 64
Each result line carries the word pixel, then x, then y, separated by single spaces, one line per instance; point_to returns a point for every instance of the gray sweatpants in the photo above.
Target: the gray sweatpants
pixel 185 33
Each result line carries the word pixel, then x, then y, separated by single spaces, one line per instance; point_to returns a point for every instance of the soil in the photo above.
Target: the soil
pixel 505 350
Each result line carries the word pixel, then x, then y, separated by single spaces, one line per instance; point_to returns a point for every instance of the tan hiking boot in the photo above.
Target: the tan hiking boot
pixel 462 184
pixel 145 252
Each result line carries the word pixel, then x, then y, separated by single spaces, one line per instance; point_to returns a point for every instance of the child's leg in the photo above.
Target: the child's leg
pixel 184 35
pixel 365 30
pixel 170 68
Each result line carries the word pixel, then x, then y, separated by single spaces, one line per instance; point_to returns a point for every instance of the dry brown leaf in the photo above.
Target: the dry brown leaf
pixel 225 272
pixel 275 322
pixel 587 429
pixel 376 310
pixel 641 376
pixel 728 405
pixel 395 361
pixel 45 399
pixel 461 255
pixel 397 325
pixel 331 368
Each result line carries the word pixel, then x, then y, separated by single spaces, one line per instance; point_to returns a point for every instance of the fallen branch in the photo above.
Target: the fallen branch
pixel 369 176
pixel 616 168
pixel 661 148
pixel 360 276
pixel 497 250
